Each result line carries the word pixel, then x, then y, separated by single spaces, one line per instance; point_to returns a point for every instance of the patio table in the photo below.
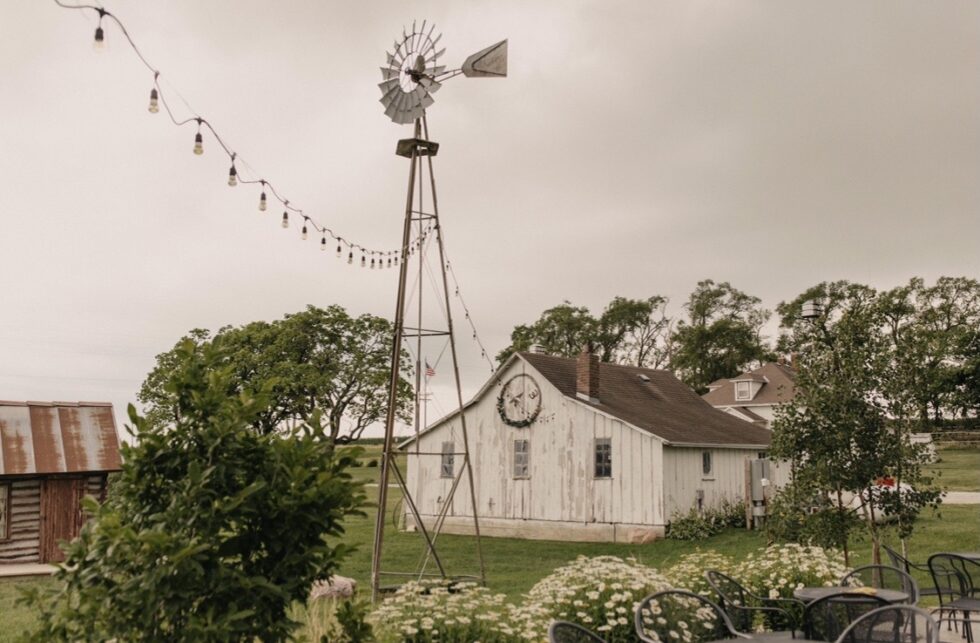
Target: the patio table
pixel 970 555
pixel 810 594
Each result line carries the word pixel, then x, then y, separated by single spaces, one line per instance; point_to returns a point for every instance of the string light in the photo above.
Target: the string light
pixel 99 44
pixel 323 243
pixel 198 140
pixel 305 233
pixel 154 101
pixel 285 219
pixel 363 260
pixel 350 257
pixel 158 100
pixel 338 250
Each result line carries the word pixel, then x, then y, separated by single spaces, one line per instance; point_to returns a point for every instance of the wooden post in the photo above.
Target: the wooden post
pixel 748 493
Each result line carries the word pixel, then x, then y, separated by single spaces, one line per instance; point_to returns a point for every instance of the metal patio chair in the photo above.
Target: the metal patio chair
pixel 825 619
pixel 780 615
pixel 892 624
pixel 565 632
pixel 883 577
pixel 660 614
pixel 907 566
pixel 957 581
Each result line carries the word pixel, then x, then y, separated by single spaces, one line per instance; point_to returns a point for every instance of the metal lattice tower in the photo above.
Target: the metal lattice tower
pixel 411 76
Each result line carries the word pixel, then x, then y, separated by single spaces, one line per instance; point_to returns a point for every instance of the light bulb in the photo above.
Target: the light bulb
pixel 372 263
pixel 363 261
pixel 338 251
pixel 396 260
pixel 350 257
pixel 198 144
pixel 262 202
pixel 323 243
pixel 232 176
pixel 285 219
pixel 99 44
pixel 305 234
pixel 154 101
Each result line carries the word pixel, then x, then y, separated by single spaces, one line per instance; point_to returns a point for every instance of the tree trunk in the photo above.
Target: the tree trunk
pixel 840 513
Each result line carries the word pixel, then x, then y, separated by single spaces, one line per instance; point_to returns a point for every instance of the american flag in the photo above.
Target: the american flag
pixel 429 371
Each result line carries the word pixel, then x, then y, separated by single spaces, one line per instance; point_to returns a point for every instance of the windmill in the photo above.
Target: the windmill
pixel 411 75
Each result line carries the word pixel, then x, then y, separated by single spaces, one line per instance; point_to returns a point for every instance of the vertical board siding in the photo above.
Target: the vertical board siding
pixel 561 486
pixel 683 477
pixel 25 523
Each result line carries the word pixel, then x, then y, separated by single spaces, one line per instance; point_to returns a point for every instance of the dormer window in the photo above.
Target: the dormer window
pixel 743 391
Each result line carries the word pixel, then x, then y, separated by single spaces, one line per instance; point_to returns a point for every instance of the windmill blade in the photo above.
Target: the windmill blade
pixel 388 85
pixel 490 62
pixel 436 55
pixel 438 69
pixel 391 59
pixel 431 85
pixel 389 96
pixel 388 73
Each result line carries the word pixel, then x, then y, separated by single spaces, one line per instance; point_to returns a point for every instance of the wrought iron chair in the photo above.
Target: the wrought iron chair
pixel 907 566
pixel 892 624
pixel 565 632
pixel 883 577
pixel 678 616
pixel 957 581
pixel 826 618
pixel 781 615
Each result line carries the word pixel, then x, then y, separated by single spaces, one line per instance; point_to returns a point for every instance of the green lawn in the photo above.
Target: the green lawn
pixel 513 566
pixel 959 469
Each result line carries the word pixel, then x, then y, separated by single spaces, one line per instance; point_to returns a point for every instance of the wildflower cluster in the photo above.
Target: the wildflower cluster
pixel 688 572
pixel 432 611
pixel 681 619
pixel 778 570
pixel 599 593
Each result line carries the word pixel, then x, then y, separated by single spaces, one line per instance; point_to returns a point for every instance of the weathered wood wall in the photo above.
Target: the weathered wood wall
pixel 683 477
pixel 25 522
pixel 561 486
pixel 25 516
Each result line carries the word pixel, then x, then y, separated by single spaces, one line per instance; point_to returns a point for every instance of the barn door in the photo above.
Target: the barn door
pixel 61 515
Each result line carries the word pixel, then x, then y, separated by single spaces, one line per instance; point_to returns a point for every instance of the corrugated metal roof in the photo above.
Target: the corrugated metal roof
pixel 57 437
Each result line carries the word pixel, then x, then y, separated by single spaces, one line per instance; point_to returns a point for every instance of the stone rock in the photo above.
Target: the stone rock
pixel 333 587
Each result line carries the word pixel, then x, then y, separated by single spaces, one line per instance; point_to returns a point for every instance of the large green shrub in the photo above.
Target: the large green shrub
pixel 214 528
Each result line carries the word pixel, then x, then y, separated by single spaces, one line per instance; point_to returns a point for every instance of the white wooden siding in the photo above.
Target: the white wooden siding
pixel 561 486
pixel 683 477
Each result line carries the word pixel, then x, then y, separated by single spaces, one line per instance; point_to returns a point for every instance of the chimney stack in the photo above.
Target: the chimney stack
pixel 587 377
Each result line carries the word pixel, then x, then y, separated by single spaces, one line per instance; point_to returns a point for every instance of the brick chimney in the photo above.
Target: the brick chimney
pixel 587 377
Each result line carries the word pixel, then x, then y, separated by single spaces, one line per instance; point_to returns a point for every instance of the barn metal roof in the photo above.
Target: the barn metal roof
pixel 57 437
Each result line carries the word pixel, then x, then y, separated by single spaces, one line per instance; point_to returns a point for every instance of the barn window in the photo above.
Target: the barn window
pixel 603 458
pixel 706 463
pixel 448 460
pixel 4 508
pixel 521 459
pixel 743 391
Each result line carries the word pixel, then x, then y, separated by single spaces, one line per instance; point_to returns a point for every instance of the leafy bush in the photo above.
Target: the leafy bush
pixel 373 462
pixel 698 525
pixel 778 570
pixel 214 528
pixel 433 611
pixel 599 593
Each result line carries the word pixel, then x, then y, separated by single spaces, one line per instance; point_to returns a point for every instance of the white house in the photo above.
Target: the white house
pixel 580 450
pixel 753 396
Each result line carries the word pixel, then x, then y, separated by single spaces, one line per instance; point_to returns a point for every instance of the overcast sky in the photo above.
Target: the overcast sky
pixel 634 149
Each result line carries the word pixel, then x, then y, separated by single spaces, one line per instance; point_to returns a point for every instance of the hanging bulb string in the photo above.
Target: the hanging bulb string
pixel 468 316
pixel 159 98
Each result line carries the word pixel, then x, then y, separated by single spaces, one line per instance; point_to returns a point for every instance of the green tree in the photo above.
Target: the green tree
pixel 628 331
pixel 213 529
pixel 317 360
pixel 840 431
pixel 721 337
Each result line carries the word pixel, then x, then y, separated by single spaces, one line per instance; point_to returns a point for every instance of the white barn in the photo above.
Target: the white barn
pixel 570 449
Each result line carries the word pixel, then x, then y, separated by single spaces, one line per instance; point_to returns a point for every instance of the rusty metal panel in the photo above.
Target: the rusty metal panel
pixel 16 440
pixel 59 437
pixel 46 430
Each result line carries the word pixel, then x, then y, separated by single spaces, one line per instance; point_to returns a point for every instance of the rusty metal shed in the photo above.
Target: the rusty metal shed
pixel 51 455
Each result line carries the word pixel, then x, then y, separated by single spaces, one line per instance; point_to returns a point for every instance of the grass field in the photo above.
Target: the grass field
pixel 959 469
pixel 513 566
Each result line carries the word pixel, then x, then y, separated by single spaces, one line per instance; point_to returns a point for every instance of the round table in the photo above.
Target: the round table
pixel 810 594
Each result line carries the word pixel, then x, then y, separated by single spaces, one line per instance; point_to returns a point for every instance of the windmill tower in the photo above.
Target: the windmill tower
pixel 412 75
